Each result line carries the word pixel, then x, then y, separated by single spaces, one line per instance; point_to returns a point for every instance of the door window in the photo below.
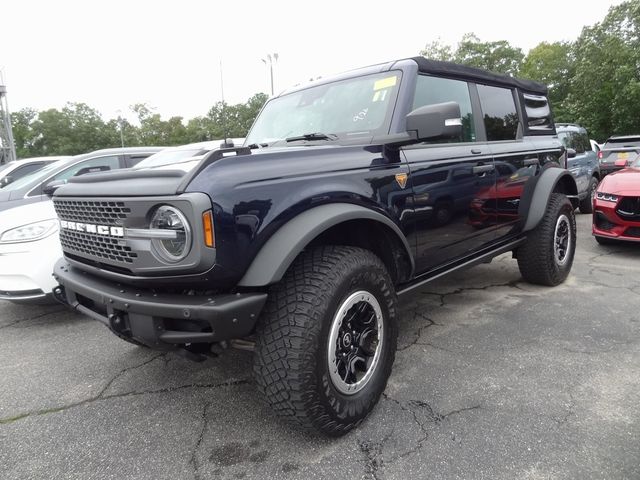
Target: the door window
pixel 434 90
pixel 26 170
pixel 500 114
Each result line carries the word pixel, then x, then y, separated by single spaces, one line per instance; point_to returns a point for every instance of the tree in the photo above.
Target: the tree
pixel 436 50
pixel 23 133
pixel 499 56
pixel 604 92
pixel 553 65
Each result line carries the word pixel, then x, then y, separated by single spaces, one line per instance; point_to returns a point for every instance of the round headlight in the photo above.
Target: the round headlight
pixel 177 243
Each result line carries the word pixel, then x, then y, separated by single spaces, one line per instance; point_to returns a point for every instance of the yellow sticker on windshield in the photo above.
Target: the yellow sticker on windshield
pixel 385 83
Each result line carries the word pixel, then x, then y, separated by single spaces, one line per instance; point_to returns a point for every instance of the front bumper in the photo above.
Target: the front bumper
pixel 607 223
pixel 161 321
pixel 25 268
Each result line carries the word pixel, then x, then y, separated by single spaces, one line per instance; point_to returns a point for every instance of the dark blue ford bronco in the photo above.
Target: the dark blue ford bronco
pixel 348 192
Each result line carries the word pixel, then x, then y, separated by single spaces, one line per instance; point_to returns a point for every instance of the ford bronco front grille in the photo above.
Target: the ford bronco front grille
pixel 89 232
pixel 101 213
pixel 103 247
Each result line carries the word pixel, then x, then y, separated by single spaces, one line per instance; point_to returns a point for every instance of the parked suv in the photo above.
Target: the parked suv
pixel 584 165
pixel 618 152
pixel 300 243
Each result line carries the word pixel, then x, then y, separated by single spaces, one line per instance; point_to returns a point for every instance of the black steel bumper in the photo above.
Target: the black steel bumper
pixel 159 320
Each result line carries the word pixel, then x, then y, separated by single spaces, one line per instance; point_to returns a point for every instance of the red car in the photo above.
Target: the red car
pixel 616 206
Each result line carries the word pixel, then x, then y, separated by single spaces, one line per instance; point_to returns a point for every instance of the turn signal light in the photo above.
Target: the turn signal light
pixel 207 227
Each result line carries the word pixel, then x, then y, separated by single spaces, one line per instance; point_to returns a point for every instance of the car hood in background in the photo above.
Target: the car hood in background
pixel 624 182
pixel 26 214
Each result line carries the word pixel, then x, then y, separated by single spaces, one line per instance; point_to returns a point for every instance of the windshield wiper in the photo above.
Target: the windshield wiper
pixel 312 136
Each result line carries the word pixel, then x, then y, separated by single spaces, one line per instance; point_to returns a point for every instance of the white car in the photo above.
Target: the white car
pixel 29 242
pixel 9 172
pixel 29 247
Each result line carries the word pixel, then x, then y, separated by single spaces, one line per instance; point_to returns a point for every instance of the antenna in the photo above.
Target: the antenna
pixel 7 146
pixel 226 143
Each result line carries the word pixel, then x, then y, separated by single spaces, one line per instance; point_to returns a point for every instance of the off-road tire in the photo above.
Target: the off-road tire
pixel 586 204
pixel 536 258
pixel 291 365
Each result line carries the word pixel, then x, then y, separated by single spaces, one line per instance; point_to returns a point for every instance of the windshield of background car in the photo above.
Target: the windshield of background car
pixel 33 177
pixel 622 143
pixel 168 157
pixel 359 106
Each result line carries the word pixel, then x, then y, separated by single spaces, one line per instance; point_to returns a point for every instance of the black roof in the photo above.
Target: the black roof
pixel 455 70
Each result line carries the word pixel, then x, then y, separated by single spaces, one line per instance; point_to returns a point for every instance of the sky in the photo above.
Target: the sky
pixel 113 54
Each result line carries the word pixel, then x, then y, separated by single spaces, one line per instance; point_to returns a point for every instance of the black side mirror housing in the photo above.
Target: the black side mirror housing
pixel 571 153
pixel 438 121
pixel 51 187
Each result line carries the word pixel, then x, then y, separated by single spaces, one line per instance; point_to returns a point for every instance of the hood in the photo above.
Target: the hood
pixel 623 182
pixel 25 214
pixel 259 165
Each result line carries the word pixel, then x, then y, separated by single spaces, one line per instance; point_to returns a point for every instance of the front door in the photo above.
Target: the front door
pixel 446 177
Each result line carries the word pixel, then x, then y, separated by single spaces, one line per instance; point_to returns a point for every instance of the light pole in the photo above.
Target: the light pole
pixel 270 60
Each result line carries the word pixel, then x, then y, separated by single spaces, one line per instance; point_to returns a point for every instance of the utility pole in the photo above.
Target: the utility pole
pixel 7 145
pixel 269 61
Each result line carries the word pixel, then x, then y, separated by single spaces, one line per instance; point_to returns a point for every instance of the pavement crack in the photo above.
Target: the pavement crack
pixel 101 396
pixel 443 296
pixel 15 322
pixel 194 455
pixel 374 461
pixel 417 334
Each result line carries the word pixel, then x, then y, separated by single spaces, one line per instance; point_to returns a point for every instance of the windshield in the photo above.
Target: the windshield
pixel 630 142
pixel 168 157
pixel 346 108
pixel 33 177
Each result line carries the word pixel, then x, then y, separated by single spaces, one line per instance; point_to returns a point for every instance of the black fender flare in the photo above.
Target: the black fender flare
pixel 536 195
pixel 279 252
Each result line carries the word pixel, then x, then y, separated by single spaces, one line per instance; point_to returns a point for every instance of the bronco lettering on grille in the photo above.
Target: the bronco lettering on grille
pixel 92 228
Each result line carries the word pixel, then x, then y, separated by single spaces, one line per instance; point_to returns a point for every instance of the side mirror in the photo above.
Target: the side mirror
pixel 52 186
pixel 571 153
pixel 432 122
pixel 6 181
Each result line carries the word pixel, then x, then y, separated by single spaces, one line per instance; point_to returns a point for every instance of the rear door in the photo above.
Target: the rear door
pixel 446 177
pixel 516 158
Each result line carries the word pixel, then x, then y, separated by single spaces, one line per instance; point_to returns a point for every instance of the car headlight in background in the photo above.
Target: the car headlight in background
pixel 607 197
pixel 178 242
pixel 30 232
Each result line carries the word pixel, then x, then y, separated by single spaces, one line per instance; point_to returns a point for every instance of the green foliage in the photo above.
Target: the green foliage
pixel 78 128
pixel 499 56
pixel 605 88
pixel 552 64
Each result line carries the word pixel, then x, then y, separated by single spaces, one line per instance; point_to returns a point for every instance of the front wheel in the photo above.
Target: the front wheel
pixel 547 255
pixel 327 339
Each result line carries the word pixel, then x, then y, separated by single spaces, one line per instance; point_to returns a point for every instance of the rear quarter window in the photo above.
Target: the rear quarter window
pixel 499 113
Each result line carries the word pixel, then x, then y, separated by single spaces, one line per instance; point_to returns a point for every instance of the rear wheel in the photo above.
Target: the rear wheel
pixel 586 204
pixel 547 255
pixel 327 338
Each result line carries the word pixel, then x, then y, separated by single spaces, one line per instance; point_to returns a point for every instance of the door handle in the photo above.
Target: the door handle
pixel 483 168
pixel 476 151
pixel 531 161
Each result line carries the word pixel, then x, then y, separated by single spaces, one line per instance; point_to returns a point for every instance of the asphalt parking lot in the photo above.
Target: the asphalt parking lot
pixel 494 379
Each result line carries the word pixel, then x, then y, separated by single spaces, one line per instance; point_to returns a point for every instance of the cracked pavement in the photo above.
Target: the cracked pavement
pixel 494 378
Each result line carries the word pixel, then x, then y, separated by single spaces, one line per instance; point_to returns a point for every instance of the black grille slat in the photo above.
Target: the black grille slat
pixel 629 208
pixel 101 213
pixel 92 245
